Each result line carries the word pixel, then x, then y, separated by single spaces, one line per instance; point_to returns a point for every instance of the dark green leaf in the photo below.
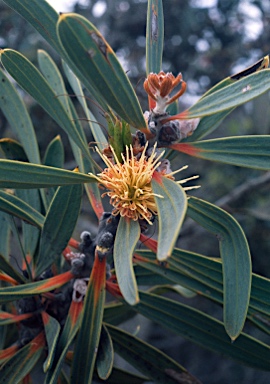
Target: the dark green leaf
pixel 18 366
pixel 88 337
pixel 30 233
pixel 52 329
pixel 16 174
pixel 203 330
pixel 95 128
pixel 118 376
pixel 147 359
pixel 201 274
pixel 54 155
pixel 30 79
pixel 15 111
pixel 105 354
pixel 10 271
pixel 41 15
pixel 95 59
pixel 59 224
pixel 65 340
pixel 12 150
pixel 4 234
pixel 117 313
pixel 17 207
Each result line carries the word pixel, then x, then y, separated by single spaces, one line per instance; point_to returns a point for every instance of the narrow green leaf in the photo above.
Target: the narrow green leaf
pixel 154 36
pixel 95 128
pixel 181 275
pixel 4 235
pixel 25 290
pixel 232 95
pixel 95 59
pixel 54 155
pixel 65 340
pixel 17 207
pixel 207 125
pixel 17 367
pixel 153 363
pixel 9 270
pixel 88 337
pixel 117 313
pixel 15 111
pixel 127 236
pixel 86 166
pixel 244 151
pixel 118 376
pixel 203 330
pixel 59 225
pixel 16 174
pixel 53 77
pixel 260 321
pixel 147 275
pixel 43 18
pixel 221 84
pixel 30 79
pixel 171 211
pixel 52 330
pixel 202 275
pixel 30 234
pixel 12 150
pixel 236 261
pixel 105 354
pixel 41 15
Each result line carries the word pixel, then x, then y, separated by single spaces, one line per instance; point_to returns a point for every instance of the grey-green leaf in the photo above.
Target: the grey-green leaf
pixel 126 239
pixel 171 213
pixel 236 261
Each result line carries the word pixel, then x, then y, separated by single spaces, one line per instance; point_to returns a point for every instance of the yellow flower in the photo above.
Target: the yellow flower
pixel 129 183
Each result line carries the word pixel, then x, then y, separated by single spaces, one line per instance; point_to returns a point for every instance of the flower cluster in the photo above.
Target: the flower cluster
pixel 129 183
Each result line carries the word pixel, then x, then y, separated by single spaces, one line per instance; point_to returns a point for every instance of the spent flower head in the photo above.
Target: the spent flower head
pixel 159 86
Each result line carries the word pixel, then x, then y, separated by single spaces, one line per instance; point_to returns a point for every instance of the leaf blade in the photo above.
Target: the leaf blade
pixel 154 36
pixel 16 113
pixel 88 339
pixel 244 151
pixel 58 226
pixel 30 79
pixel 95 59
pixel 203 330
pixel 17 174
pixel 171 210
pixel 236 261
pixel 127 236
pixel 231 95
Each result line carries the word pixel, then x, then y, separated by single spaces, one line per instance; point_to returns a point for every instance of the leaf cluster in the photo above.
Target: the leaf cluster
pixel 57 296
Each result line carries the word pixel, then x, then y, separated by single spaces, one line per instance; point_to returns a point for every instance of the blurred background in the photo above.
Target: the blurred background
pixel 206 40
